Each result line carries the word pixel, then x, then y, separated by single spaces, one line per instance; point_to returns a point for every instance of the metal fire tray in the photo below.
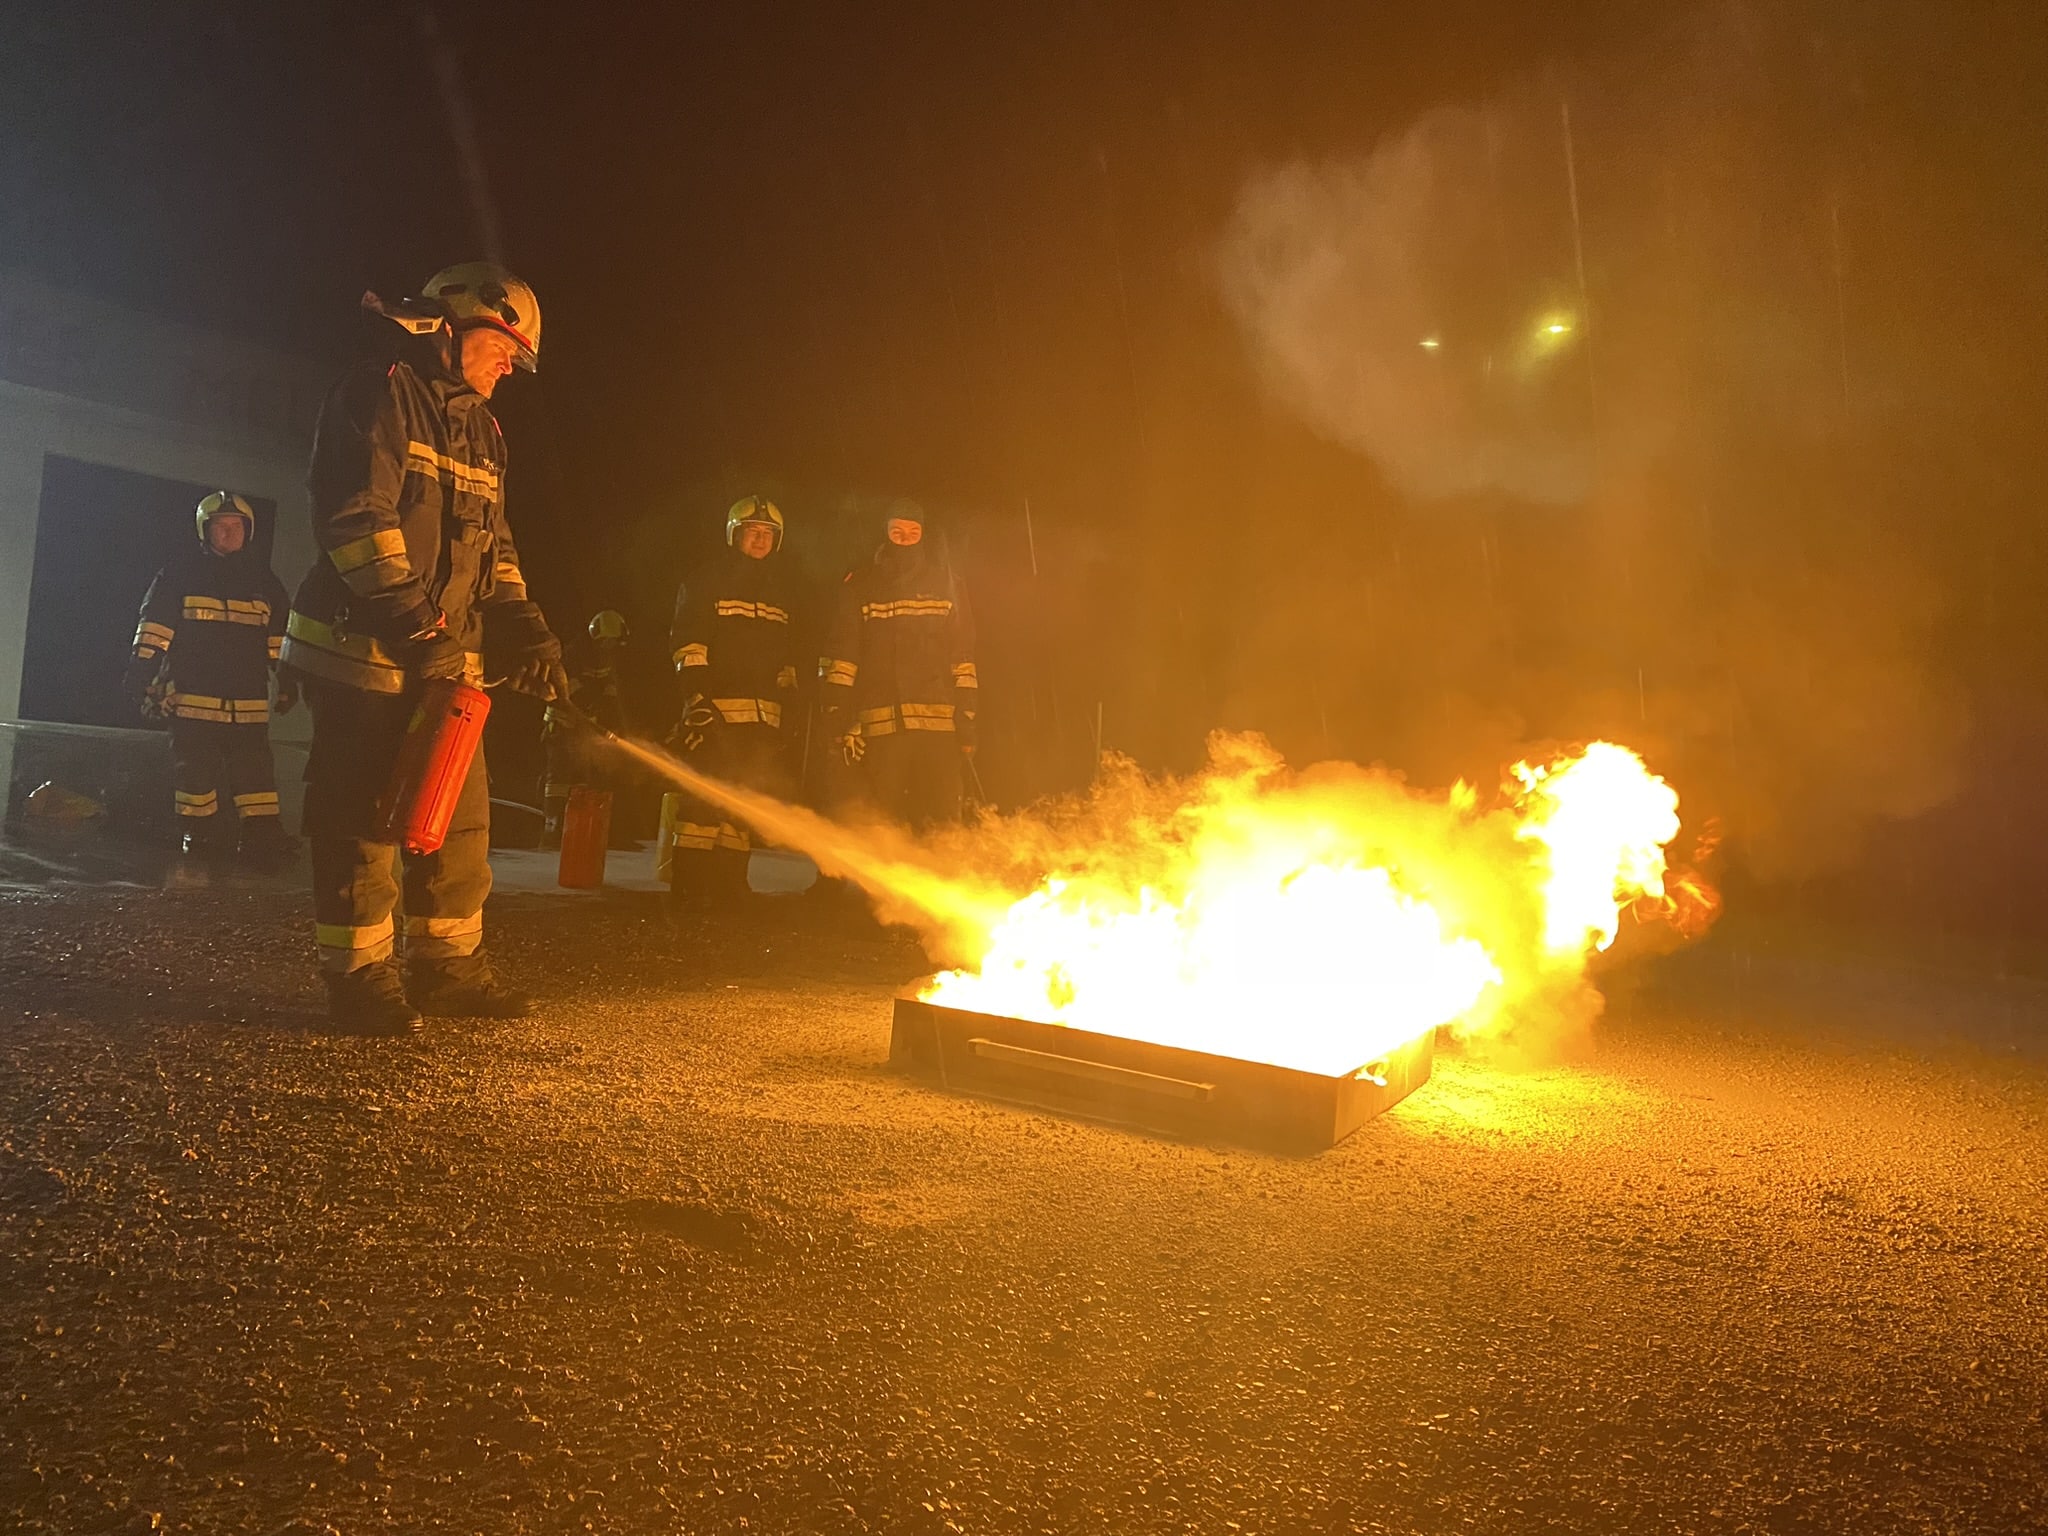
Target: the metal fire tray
pixel 1154 1087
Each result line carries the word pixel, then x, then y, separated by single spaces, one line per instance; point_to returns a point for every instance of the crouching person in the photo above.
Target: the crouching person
pixel 418 579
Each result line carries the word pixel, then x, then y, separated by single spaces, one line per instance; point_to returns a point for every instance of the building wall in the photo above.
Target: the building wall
pixel 90 381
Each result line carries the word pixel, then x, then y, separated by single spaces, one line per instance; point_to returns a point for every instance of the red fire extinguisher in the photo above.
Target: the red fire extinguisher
pixel 586 834
pixel 426 781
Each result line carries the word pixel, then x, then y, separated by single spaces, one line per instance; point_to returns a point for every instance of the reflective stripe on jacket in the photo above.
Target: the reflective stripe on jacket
pixel 901 648
pixel 408 489
pixel 218 620
pixel 734 640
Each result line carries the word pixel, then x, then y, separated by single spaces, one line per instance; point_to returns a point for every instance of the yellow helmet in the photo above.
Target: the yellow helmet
pixel 225 504
pixel 609 625
pixel 753 509
pixel 484 293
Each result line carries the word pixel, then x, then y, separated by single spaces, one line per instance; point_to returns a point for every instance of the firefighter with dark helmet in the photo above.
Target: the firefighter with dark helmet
pixel 418 578
pixel 898 680
pixel 212 622
pixel 734 649
pixel 594 694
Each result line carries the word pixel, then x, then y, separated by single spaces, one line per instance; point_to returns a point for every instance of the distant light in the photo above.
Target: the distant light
pixel 1430 343
pixel 1557 327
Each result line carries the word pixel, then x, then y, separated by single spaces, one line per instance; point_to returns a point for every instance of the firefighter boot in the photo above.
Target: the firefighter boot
pixel 209 841
pixel 370 1000
pixel 465 988
pixel 693 878
pixel 266 845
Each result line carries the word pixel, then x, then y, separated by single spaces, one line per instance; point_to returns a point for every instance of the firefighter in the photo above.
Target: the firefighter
pixel 205 649
pixel 593 693
pixel 898 679
pixel 734 651
pixel 418 578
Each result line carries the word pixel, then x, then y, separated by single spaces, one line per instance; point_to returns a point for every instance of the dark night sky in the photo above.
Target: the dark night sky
pixel 1778 524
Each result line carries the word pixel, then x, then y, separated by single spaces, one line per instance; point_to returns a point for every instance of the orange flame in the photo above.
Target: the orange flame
pixel 1315 920
pixel 1320 920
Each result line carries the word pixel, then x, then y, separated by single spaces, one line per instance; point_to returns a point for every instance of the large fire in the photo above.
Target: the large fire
pixel 1321 920
pixel 1315 919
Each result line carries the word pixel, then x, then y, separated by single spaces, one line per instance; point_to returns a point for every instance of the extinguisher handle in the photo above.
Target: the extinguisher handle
pixel 568 712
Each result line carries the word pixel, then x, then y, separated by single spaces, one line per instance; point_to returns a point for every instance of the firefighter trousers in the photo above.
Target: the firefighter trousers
pixel 208 756
pixel 356 740
pixel 711 850
pixel 914 776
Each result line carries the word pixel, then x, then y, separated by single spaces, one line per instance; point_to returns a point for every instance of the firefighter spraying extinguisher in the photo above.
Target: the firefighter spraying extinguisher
pixel 416 599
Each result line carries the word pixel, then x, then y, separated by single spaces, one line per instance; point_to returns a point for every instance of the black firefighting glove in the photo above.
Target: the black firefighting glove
pixel 521 651
pixel 136 680
pixel 965 732
pixel 843 732
pixel 438 655
pixel 699 724
pixel 287 690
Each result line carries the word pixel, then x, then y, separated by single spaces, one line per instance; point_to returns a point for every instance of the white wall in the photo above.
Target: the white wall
pixel 34 422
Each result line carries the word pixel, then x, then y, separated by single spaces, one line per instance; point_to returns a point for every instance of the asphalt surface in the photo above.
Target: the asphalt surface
pixel 678 1254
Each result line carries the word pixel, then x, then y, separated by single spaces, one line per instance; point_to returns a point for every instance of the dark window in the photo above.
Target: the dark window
pixel 100 535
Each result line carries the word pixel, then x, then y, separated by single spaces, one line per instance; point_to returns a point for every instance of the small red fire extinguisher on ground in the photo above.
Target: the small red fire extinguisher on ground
pixel 586 836
pixel 426 782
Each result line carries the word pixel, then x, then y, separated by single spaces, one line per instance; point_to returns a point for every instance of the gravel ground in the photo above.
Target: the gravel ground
pixel 678 1254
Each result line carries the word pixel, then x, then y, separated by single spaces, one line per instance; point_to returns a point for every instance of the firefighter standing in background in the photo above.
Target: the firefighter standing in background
pixel 208 641
pixel 899 683
pixel 418 578
pixel 593 693
pixel 735 655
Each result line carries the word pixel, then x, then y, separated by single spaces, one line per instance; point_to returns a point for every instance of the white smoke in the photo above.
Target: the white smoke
pixel 1393 303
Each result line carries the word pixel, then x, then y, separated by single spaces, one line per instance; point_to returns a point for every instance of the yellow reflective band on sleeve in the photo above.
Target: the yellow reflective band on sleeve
pixel 258 802
pixel 373 562
pixel 786 678
pixel 692 655
pixel 964 675
pixel 838 673
pixel 507 574
pixel 384 544
pixel 152 636
pixel 908 608
pixel 276 646
pixel 425 459
pixel 191 803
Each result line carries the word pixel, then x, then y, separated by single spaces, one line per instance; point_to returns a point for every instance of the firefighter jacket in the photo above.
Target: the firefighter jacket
pixel 408 491
pixel 216 622
pixel 901 649
pixel 732 640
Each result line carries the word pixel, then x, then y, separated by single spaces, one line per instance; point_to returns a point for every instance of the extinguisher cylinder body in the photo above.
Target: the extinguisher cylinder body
pixel 433 763
pixel 586 836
